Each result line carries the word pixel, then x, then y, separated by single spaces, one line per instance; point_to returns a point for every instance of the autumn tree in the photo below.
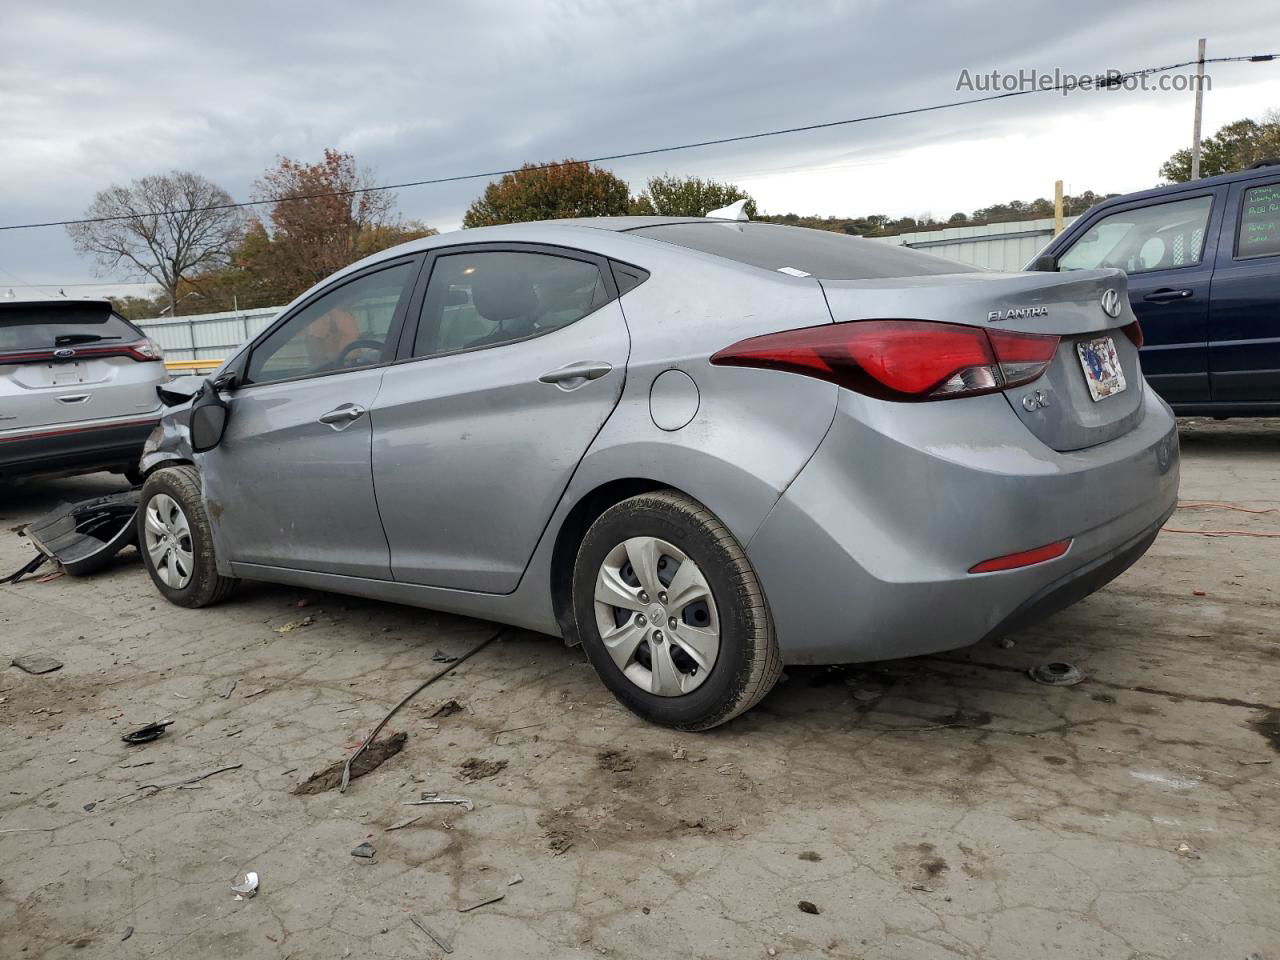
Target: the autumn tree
pixel 1234 147
pixel 571 188
pixel 165 227
pixel 322 217
pixel 669 196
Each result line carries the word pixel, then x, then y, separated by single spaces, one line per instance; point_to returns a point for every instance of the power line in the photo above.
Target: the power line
pixel 1105 81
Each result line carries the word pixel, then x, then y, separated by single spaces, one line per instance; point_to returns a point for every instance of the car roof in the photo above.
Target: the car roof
pixel 44 300
pixel 1271 170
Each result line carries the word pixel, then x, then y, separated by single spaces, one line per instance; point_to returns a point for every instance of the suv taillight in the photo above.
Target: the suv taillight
pixel 909 360
pixel 144 350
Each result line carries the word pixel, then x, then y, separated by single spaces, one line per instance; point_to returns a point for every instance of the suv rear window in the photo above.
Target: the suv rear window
pixel 41 326
pixel 800 250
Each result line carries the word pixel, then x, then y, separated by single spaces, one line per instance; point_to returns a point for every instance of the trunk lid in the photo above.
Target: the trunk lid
pixel 1059 407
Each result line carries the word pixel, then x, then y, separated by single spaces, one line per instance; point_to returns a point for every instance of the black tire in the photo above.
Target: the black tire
pixel 748 663
pixel 206 586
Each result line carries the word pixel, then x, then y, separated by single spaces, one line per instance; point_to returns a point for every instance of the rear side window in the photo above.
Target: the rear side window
pixel 799 251
pixel 43 326
pixel 1259 222
pixel 486 299
pixel 1164 236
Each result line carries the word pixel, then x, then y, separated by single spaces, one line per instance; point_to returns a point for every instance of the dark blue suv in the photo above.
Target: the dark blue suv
pixel 1203 260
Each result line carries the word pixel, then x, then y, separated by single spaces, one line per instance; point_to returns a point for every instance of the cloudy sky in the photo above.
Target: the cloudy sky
pixel 95 93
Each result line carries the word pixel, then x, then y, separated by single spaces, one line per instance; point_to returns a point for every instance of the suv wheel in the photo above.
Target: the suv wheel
pixel 175 540
pixel 671 614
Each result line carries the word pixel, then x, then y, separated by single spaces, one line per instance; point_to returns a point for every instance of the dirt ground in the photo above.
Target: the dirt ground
pixel 929 808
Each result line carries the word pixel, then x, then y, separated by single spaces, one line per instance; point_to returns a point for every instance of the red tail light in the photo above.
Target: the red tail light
pixel 142 350
pixel 901 359
pixel 1026 558
pixel 1134 332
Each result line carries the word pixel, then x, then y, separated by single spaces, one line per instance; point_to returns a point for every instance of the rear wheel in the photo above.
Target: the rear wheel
pixel 671 614
pixel 175 540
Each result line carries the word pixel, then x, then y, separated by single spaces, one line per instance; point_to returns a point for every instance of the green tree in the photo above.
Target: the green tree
pixel 571 188
pixel 668 196
pixel 1233 147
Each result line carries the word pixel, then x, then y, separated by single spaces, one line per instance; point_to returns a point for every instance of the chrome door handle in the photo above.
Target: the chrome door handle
pixel 344 414
pixel 1166 296
pixel 582 370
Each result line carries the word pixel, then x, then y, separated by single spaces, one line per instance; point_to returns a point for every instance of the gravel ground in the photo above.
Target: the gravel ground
pixel 936 807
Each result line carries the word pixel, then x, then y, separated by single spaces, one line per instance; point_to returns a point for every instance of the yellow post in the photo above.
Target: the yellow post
pixel 1057 207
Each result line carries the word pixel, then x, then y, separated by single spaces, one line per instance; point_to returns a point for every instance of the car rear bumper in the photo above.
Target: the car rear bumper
pixel 75 446
pixel 866 556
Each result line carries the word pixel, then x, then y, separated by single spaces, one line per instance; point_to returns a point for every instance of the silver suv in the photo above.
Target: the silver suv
pixel 77 388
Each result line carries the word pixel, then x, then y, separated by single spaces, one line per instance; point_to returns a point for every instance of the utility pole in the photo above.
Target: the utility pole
pixel 1195 135
pixel 1057 207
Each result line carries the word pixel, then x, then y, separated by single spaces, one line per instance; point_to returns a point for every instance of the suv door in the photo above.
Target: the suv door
pixel 289 485
pixel 517 360
pixel 1166 246
pixel 1244 321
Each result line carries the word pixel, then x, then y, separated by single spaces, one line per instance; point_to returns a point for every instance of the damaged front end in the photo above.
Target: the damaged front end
pixel 170 441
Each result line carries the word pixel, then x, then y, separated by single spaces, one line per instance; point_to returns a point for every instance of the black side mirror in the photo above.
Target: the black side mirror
pixel 209 413
pixel 1045 264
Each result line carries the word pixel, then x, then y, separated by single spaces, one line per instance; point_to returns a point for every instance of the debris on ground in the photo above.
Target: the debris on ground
pixel 295 624
pixel 1269 726
pixel 514 879
pixel 227 688
pixel 430 798
pixel 128 932
pixel 482 902
pixel 1006 644
pixel 558 842
pixel 615 761
pixel 373 757
pixel 1186 850
pixel 365 851
pixel 37 663
pixel 194 778
pixel 446 709
pixel 808 906
pixel 473 768
pixel 254 693
pixel 407 821
pixel 1057 674
pixel 441 657
pixel 439 938
pixel 246 885
pixel 88 807
pixel 152 731
pixel 811 856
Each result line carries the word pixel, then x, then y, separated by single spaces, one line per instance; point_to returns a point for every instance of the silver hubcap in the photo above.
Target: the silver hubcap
pixel 168 536
pixel 657 617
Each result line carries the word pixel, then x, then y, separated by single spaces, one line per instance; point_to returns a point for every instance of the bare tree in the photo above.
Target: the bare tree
pixel 163 226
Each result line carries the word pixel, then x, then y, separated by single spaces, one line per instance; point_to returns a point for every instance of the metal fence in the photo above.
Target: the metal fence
pixel 206 336
pixel 1006 247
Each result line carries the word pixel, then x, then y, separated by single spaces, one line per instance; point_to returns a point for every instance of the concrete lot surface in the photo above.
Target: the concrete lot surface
pixel 930 808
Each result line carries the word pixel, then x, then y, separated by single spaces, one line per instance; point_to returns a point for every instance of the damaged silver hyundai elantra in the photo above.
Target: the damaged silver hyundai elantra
pixel 702 448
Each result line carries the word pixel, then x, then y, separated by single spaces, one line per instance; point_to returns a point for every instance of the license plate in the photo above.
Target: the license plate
pixel 1101 365
pixel 64 373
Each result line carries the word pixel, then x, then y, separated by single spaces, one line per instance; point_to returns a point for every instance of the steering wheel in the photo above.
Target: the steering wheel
pixel 353 346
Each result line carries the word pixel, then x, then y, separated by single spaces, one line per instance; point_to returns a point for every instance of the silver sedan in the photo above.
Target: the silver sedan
pixel 702 448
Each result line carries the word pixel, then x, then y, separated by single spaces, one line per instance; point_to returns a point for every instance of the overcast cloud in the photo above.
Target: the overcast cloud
pixel 95 93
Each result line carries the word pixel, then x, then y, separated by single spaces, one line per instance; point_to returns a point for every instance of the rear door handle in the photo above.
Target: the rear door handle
pixel 1167 296
pixel 340 416
pixel 583 370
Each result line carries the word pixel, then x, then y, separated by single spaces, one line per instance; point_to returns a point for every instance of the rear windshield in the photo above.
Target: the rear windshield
pixel 39 326
pixel 799 250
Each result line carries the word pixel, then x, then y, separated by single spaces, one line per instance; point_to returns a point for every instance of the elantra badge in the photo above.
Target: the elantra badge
pixel 1016 313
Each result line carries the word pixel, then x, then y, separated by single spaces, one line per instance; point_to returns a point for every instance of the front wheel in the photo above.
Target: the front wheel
pixel 671 614
pixel 175 540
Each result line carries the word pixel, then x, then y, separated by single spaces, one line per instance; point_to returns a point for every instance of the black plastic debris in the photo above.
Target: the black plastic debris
pixel 441 657
pixel 83 537
pixel 1057 674
pixel 152 731
pixel 365 850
